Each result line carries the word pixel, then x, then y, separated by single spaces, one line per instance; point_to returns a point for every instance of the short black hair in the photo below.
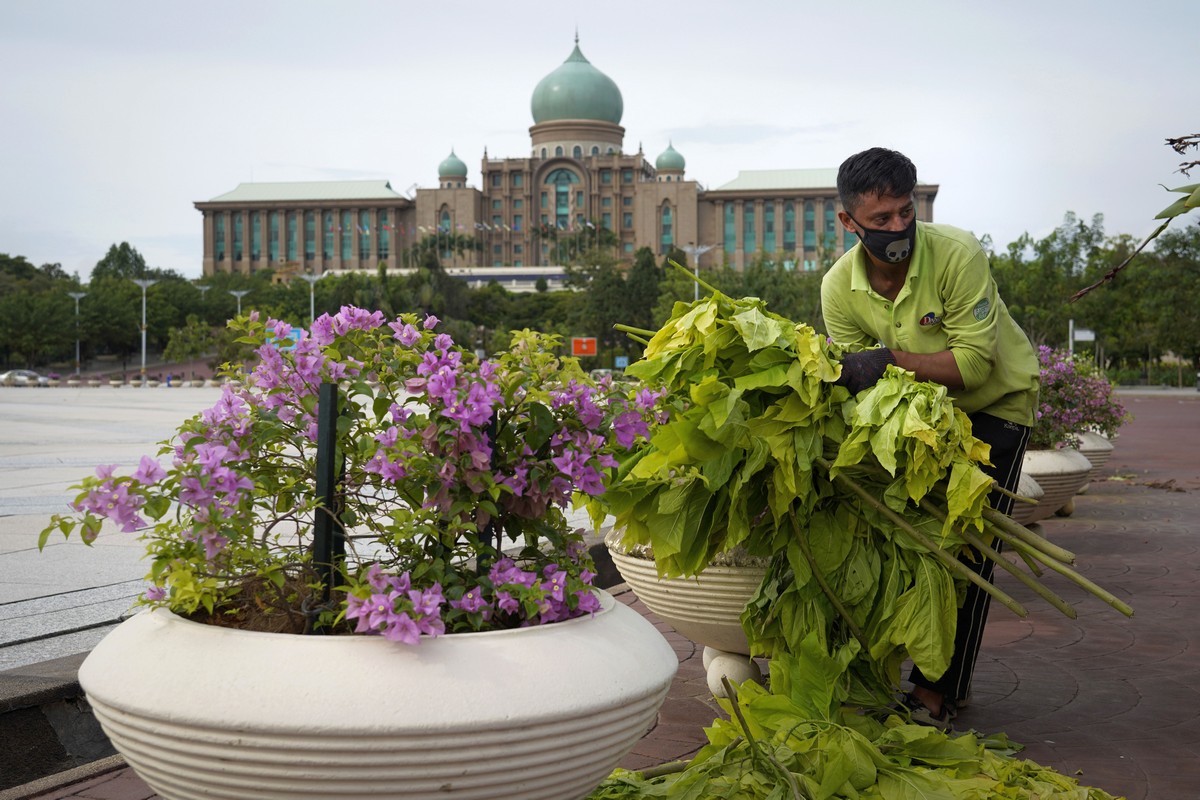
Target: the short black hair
pixel 878 172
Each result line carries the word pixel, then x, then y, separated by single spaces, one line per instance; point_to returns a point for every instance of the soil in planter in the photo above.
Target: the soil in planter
pixel 260 605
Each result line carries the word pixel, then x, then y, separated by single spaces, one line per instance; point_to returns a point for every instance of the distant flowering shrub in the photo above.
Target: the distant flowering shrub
pixel 1075 397
pixel 456 477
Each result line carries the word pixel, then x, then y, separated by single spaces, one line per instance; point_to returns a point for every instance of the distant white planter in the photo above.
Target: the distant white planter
pixel 705 608
pixel 1027 487
pixel 1060 473
pixel 1096 448
pixel 544 712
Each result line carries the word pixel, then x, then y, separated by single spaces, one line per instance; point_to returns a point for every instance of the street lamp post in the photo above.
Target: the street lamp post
pixel 239 294
pixel 78 296
pixel 695 251
pixel 312 287
pixel 145 283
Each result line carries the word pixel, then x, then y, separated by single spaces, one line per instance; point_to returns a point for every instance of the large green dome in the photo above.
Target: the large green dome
pixel 577 90
pixel 452 167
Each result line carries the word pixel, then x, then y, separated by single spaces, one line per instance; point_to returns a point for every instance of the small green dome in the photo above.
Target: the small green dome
pixel 452 167
pixel 577 90
pixel 670 159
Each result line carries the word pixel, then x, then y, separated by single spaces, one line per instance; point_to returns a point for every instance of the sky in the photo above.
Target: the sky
pixel 117 116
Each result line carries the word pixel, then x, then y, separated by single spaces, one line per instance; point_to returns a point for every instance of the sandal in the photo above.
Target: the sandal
pixel 921 714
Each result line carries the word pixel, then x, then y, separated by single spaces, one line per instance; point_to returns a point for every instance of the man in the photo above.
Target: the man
pixel 925 293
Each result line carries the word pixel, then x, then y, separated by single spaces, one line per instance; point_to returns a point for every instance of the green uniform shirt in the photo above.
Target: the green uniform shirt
pixel 948 302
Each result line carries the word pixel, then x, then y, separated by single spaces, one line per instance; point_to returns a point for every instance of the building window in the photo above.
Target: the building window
pixel 626 176
pixel 545 200
pixel 769 227
pixel 789 227
pixel 518 180
pixel 496 204
pixel 606 202
pixel 627 220
pixel 497 221
pixel 562 181
pixel 327 243
pixel 292 235
pixel 518 249
pixel 595 150
pixel 518 203
pixel 577 152
pixel 310 235
pixel 496 178
pixel 543 152
pixel 347 236
pixel 273 241
pixel 748 237
pixel 497 250
pixel 219 235
pixel 364 235
pixel 628 248
pixel 385 235
pixel 830 237
pixel 606 221
pixel 667 242
pixel 518 222
pixel 810 226
pixel 627 201
pixel 579 199
pixel 606 176
pixel 238 233
pixel 255 235
pixel 558 151
pixel 730 229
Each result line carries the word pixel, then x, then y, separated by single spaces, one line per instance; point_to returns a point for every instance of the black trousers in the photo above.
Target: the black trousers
pixel 1008 441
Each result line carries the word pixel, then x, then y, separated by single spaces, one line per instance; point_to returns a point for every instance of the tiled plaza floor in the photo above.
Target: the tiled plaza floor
pixel 1113 701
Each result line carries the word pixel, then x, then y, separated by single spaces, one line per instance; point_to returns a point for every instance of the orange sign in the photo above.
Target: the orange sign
pixel 583 346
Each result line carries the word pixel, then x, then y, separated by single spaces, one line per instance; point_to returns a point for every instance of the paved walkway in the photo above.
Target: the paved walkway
pixel 1114 702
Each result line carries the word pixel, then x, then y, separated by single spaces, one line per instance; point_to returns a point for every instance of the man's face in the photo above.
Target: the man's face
pixel 881 213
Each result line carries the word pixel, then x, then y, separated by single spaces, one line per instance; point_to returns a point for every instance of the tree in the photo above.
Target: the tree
pixel 190 341
pixel 121 261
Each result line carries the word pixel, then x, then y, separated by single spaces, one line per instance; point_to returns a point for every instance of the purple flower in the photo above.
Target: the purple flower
pixel 406 334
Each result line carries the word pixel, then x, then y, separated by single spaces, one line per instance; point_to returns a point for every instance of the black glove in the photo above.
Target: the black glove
pixel 863 370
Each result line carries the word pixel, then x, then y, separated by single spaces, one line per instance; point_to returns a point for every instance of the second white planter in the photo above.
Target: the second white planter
pixel 1060 473
pixel 705 608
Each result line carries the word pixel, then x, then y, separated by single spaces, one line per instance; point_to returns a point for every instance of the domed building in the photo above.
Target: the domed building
pixel 577 183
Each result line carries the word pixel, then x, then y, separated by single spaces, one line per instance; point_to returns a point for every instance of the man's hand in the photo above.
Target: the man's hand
pixel 863 370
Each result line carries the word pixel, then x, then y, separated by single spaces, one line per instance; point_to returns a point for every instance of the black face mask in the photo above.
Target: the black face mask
pixel 890 247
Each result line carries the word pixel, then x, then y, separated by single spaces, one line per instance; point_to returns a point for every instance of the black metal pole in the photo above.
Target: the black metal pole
pixel 329 537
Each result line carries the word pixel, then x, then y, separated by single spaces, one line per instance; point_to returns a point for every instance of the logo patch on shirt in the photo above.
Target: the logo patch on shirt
pixel 981 309
pixel 930 319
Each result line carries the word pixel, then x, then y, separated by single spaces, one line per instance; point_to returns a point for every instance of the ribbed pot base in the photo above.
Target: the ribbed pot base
pixel 544 712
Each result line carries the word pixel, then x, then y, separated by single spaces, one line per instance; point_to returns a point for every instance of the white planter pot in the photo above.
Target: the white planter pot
pixel 706 608
pixel 1096 448
pixel 1027 487
pixel 1060 473
pixel 543 712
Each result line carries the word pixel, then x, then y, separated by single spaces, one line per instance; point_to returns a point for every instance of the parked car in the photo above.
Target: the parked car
pixel 23 377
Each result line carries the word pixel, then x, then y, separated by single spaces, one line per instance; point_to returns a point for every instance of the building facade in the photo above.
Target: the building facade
pixel 578 187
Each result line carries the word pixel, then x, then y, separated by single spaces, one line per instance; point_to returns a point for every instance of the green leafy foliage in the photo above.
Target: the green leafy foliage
pixel 800 740
pixel 752 455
